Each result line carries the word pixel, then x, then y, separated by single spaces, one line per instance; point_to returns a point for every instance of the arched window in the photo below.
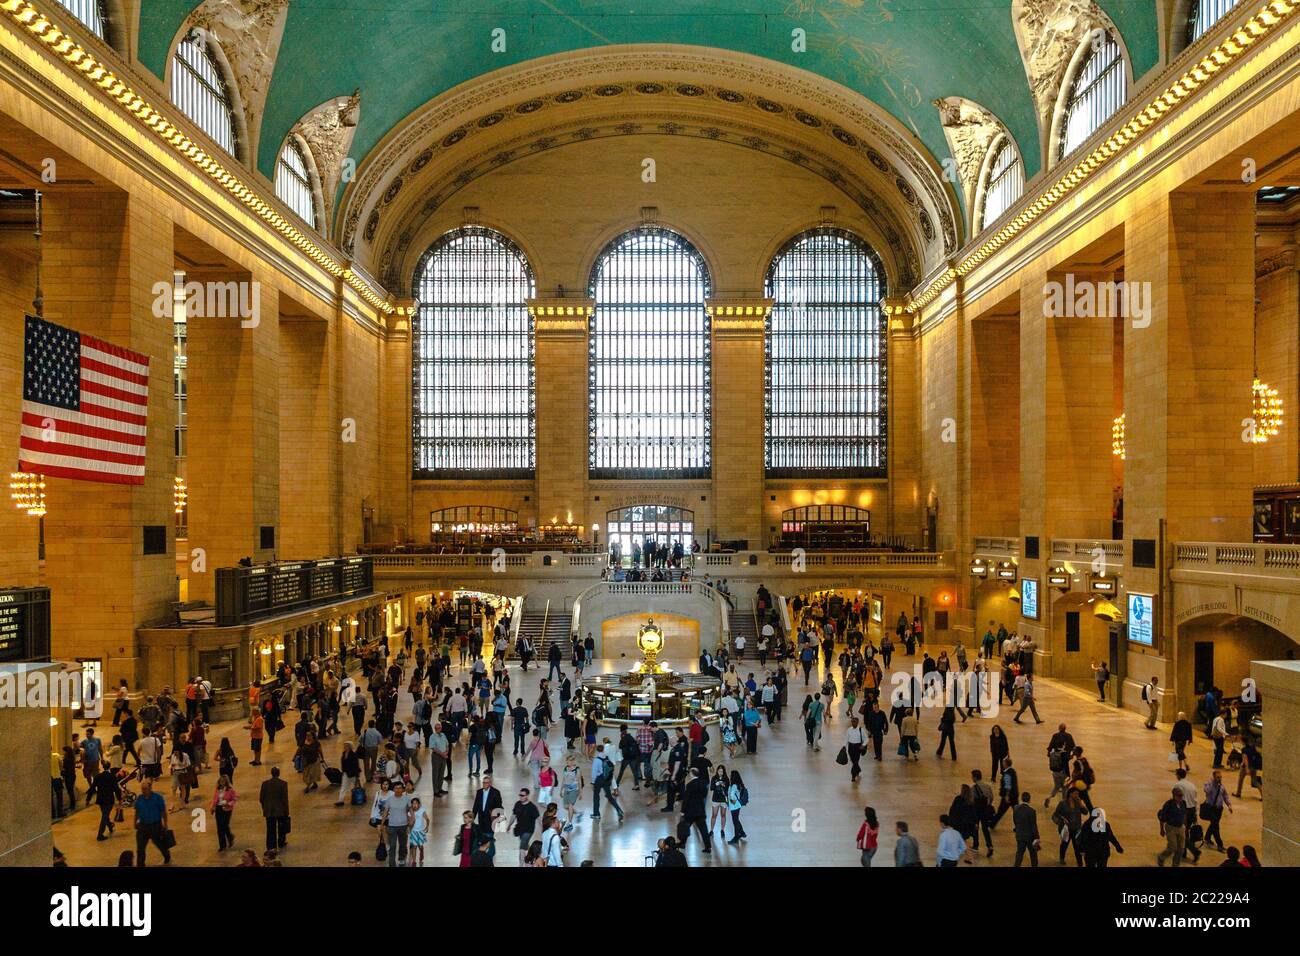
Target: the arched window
pixel 826 356
pixel 199 89
pixel 293 182
pixel 1098 91
pixel 649 388
pixel 91 13
pixel 472 359
pixel 1205 14
pixel 1004 182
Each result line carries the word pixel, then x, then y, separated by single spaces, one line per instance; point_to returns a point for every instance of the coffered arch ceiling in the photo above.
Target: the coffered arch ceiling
pixel 683 92
pixel 889 59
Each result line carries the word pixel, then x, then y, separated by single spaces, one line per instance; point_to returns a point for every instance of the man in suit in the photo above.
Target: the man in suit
pixel 694 802
pixel 274 798
pixel 1024 819
pixel 487 807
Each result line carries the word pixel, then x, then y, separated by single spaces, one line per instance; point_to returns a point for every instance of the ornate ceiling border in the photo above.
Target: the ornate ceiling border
pixel 394 251
pixel 858 123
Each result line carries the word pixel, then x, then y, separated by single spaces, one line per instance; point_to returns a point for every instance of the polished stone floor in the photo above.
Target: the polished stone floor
pixel 803 810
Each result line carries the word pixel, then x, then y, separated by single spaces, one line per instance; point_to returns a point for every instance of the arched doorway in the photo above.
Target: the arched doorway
pixel 636 524
pixel 1215 650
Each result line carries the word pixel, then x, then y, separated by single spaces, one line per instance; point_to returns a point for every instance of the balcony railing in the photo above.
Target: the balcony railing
pixel 1001 546
pixel 1209 556
pixel 1084 549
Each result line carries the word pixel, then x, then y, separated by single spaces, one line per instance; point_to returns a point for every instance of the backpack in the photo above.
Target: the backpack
pixel 743 796
pixel 1056 760
pixel 1146 693
pixel 358 796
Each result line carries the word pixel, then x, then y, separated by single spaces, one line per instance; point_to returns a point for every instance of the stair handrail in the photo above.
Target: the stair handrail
pixel 517 620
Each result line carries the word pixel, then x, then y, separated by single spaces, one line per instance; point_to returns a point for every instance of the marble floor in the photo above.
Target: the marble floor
pixel 803 809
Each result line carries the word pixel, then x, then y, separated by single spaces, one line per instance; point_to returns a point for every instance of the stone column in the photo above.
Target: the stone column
pixel 1188 475
pixel 1066 399
pixel 309 439
pixel 1279 687
pixel 104 253
pixel 234 427
pixel 904 446
pixel 738 445
pixel 560 328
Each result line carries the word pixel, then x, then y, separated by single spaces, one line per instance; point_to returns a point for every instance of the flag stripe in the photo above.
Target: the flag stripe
pixel 128 361
pixel 112 371
pixel 103 450
pixel 102 409
pixel 133 477
pixel 36 425
pixel 107 391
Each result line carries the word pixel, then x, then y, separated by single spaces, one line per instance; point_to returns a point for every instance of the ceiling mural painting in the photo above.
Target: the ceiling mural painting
pixel 899 54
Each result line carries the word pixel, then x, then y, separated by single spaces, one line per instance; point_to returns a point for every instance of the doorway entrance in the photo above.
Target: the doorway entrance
pixel 637 524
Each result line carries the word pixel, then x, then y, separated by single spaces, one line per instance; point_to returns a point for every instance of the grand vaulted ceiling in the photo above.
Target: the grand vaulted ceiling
pixel 439 105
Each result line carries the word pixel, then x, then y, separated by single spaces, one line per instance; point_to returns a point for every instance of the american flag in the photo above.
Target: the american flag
pixel 85 404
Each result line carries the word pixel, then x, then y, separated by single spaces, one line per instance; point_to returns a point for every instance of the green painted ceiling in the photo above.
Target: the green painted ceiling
pixel 901 54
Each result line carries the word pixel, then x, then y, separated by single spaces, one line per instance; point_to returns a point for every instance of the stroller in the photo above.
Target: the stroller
pixel 127 800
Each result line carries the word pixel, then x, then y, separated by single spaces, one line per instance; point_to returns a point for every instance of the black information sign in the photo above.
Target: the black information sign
pixel 246 594
pixel 25 624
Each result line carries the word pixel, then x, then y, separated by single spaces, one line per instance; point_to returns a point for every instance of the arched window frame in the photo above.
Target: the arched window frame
pixel 449 441
pixel 300 191
pixel 999 187
pixel 635 455
pixel 851 447
pixel 200 86
pixel 1097 82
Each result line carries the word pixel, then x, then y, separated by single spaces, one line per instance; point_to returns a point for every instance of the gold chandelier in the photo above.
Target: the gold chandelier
pixel 1117 437
pixel 1268 412
pixel 28 492
pixel 180 495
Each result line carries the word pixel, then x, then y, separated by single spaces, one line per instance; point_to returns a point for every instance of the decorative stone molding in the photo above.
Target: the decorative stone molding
pixel 854 122
pixel 561 316
pixel 1279 261
pixel 744 316
pixel 249 32
pixel 1049 33
pixel 970 130
pixel 328 130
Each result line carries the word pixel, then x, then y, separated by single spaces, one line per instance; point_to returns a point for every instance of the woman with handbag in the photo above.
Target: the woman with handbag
pixel 226 760
pixel 223 807
pixel 718 798
pixel 855 741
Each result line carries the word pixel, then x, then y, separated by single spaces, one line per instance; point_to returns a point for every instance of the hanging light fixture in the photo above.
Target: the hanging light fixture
pixel 1268 412
pixel 28 492
pixel 180 495
pixel 1117 438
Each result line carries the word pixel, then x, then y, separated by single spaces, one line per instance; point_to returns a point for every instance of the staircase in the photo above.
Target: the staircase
pixel 543 628
pixel 744 625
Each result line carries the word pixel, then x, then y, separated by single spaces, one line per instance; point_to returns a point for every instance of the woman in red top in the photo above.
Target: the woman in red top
pixel 868 834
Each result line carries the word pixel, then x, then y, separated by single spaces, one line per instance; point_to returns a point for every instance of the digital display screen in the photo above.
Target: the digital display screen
pixel 640 711
pixel 1029 598
pixel 1141 619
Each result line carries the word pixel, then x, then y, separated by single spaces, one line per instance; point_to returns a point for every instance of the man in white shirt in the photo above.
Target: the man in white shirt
pixel 553 848
pixel 951 845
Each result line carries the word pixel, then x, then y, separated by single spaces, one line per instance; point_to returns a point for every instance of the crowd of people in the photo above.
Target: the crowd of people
pixel 464 700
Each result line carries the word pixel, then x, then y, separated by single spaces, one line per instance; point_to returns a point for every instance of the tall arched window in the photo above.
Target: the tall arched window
pixel 472 359
pixel 1004 182
pixel 1205 14
pixel 826 358
pixel 293 182
pixel 91 13
pixel 199 89
pixel 649 388
pixel 1098 91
